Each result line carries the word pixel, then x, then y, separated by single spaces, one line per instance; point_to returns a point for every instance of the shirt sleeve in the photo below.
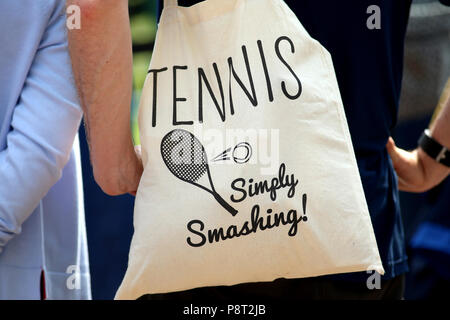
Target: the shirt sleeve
pixel 44 124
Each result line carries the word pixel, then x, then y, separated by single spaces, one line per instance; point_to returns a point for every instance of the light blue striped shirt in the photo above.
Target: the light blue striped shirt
pixel 42 224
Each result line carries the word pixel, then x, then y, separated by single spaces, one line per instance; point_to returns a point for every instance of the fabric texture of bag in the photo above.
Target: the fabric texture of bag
pixel 249 170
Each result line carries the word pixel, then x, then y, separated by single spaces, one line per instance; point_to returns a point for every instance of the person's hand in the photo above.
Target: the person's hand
pixel 119 176
pixel 416 171
pixel 137 171
pixel 138 150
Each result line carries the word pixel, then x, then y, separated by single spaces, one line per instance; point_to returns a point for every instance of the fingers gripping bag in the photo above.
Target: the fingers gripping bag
pixel 249 170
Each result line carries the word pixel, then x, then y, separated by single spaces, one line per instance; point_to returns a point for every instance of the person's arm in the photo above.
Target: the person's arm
pixel 418 172
pixel 101 53
pixel 43 126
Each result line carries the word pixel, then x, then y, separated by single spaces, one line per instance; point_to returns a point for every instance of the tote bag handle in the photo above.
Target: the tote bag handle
pixel 169 3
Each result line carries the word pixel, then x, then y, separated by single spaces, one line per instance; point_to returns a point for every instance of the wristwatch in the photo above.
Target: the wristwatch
pixel 434 149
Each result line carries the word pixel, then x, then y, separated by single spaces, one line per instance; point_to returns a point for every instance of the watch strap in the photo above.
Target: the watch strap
pixel 434 149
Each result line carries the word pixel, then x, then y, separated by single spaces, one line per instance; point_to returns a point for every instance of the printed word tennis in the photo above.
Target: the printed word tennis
pixel 203 82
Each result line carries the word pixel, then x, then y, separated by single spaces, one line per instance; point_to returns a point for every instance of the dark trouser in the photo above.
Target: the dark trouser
pixel 290 289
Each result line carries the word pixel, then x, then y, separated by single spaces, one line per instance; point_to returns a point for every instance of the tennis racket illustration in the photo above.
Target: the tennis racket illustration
pixel 185 157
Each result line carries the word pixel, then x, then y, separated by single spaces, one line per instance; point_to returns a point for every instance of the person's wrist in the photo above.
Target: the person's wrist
pixel 116 171
pixel 433 172
pixel 131 170
pixel 432 146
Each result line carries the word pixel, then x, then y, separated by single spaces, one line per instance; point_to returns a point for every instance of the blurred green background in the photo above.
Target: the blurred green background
pixel 143 31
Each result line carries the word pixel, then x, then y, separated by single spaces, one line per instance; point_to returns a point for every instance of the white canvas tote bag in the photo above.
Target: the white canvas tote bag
pixel 249 170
